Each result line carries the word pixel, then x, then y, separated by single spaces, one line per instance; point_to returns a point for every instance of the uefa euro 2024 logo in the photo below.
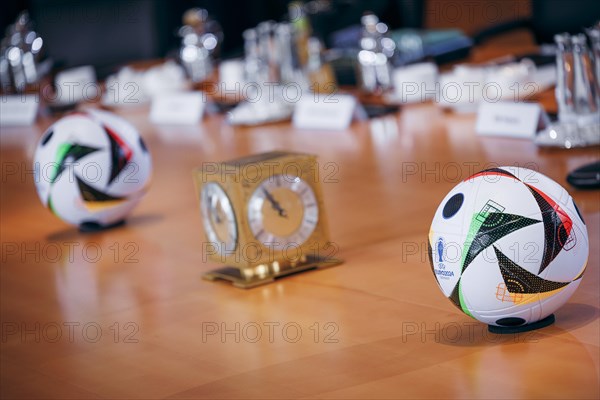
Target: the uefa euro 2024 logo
pixel 441 270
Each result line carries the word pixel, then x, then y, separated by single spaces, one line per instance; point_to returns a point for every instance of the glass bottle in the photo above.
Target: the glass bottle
pixel 565 84
pixel 302 30
pixel 252 62
pixel 594 35
pixel 284 48
pixel 320 74
pixel 586 87
pixel 266 49
pixel 374 56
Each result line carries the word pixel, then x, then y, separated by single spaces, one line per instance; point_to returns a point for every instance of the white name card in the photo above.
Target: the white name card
pixel 76 84
pixel 180 108
pixel 518 120
pixel 330 112
pixel 18 109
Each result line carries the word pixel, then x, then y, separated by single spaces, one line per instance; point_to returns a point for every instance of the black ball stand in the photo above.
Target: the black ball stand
pixel 91 227
pixel 542 323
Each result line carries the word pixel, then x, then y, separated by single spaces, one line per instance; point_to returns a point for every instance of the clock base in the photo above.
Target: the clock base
pixel 243 281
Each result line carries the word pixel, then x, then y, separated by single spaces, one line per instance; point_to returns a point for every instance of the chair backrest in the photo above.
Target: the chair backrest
pixel 550 17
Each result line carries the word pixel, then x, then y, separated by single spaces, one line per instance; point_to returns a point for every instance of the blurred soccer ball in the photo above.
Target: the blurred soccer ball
pixel 91 168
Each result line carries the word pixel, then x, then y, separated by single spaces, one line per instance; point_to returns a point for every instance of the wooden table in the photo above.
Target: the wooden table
pixel 125 313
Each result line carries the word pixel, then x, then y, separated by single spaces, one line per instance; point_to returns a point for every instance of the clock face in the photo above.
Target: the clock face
pixel 283 211
pixel 218 216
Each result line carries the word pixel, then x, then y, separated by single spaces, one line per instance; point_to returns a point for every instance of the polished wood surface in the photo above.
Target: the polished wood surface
pixel 125 313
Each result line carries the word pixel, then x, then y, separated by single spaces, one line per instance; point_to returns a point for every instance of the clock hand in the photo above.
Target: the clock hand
pixel 274 204
pixel 214 202
pixel 220 217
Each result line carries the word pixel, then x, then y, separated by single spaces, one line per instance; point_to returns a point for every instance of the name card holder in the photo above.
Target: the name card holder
pixel 517 120
pixel 180 108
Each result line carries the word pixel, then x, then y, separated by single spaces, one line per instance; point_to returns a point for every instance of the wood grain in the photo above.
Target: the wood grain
pixel 375 327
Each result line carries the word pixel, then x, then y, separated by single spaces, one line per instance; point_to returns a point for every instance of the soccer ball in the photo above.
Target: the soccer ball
pixel 508 246
pixel 91 169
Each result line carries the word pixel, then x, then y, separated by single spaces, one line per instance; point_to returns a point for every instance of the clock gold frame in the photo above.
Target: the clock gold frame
pixel 250 263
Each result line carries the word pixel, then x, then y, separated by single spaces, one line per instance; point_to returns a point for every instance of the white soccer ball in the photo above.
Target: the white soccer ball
pixel 508 246
pixel 91 169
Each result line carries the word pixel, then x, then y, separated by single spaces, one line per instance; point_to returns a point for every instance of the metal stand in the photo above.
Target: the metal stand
pixel 90 227
pixel 549 320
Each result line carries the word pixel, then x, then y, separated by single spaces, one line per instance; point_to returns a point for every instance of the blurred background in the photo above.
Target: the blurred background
pixel 108 33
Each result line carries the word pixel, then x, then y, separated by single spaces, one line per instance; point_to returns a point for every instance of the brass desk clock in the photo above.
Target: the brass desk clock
pixel 264 217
